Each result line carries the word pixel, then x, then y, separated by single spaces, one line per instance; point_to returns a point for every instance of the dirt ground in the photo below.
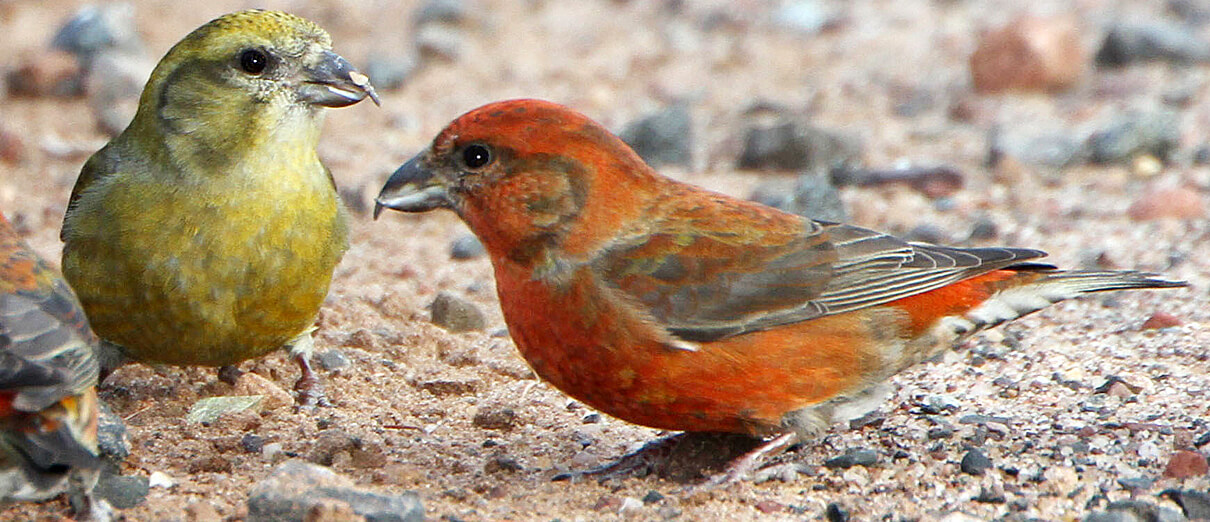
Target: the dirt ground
pixel 461 419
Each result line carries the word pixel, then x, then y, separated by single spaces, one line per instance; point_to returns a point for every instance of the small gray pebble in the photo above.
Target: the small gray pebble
pixel 940 432
pixel 442 11
pixel 975 462
pixel 662 138
pixel 1136 483
pixel 1154 41
pixel 466 247
pixel 252 443
pixel 652 497
pixel 1195 504
pixel 123 492
pixel 836 513
pixel 333 360
pixel 111 435
pixel 294 488
pixel 388 73
pixel 853 457
pixel 457 314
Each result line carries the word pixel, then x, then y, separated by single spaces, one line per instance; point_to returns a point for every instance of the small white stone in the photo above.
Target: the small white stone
pixel 271 449
pixel 159 479
pixel 630 506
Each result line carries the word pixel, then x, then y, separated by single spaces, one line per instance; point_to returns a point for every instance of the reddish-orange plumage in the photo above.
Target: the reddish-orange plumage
pixel 48 370
pixel 671 306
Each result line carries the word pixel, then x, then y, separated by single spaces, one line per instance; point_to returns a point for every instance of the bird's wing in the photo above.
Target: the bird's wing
pixel 707 277
pixel 45 340
pixel 90 173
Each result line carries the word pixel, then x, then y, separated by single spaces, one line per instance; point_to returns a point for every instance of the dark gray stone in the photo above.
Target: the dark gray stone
pixel 293 488
pixel 1195 504
pixel 1134 511
pixel 664 137
pixel 457 314
pixel 991 495
pixel 983 229
pixel 975 462
pixel 1202 440
pixel 1155 41
pixel 652 497
pixel 1138 483
pixel 98 28
pixel 388 73
pixel 111 435
pixel 252 443
pixel 853 457
pixel 811 195
pixel 1156 133
pixel 785 144
pixel 836 513
pixel 940 432
pixel 467 247
pixel 122 492
pixel 442 11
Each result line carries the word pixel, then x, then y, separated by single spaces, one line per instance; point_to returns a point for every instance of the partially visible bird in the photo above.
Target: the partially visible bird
pixel 48 374
pixel 206 233
pixel 666 305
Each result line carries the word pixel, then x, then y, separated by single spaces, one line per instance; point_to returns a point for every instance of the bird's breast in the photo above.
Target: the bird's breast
pixel 601 350
pixel 214 272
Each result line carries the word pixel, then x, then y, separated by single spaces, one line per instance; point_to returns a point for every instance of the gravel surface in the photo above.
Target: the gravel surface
pixel 1061 415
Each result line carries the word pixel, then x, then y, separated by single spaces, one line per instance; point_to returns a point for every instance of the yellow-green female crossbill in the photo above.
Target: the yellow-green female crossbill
pixel 206 232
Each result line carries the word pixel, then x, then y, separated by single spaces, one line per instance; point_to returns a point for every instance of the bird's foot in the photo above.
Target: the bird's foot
pixel 308 390
pixel 84 505
pixel 740 468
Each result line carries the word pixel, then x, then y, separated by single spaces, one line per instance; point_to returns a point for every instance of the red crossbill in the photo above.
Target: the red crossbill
pixel 206 233
pixel 669 306
pixel 48 374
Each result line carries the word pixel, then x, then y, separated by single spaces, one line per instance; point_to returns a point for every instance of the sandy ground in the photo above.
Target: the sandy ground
pixel 413 390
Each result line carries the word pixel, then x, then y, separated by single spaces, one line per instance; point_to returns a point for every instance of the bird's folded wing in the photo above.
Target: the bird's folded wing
pixel 45 341
pixel 704 283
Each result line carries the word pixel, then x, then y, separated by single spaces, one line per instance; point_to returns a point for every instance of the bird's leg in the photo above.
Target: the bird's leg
pixel 309 390
pixel 749 462
pixel 84 505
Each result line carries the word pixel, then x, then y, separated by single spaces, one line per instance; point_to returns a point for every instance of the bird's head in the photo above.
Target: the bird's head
pixel 520 171
pixel 247 76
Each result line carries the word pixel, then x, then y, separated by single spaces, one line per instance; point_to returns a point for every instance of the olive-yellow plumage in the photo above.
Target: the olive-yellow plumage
pixel 207 232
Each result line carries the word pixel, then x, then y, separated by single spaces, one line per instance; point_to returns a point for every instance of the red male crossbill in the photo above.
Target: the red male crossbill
pixel 670 306
pixel 207 232
pixel 48 374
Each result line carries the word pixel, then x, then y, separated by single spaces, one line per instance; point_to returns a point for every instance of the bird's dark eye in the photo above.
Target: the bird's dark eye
pixel 476 156
pixel 253 61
